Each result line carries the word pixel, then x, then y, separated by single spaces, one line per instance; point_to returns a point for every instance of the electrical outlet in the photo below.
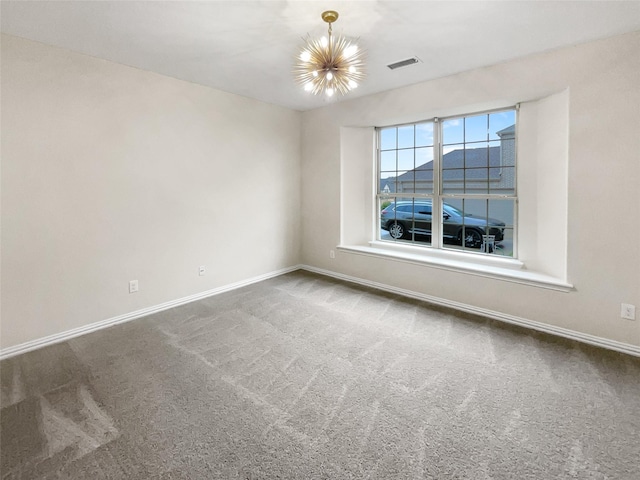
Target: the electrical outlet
pixel 201 270
pixel 332 254
pixel 628 311
pixel 133 286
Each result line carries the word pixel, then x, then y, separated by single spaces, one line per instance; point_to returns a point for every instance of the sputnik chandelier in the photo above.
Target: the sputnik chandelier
pixel 330 64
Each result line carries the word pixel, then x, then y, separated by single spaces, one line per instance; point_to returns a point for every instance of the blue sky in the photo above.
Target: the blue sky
pixel 406 147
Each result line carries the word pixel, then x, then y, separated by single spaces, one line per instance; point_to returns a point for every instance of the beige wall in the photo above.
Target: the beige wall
pixel 597 84
pixel 110 174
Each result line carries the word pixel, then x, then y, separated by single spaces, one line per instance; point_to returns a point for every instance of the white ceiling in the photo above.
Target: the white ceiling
pixel 248 47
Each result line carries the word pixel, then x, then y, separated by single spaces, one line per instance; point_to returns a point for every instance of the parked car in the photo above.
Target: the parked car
pixel 401 219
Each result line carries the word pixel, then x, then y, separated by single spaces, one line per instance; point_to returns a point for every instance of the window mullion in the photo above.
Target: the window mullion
pixel 436 204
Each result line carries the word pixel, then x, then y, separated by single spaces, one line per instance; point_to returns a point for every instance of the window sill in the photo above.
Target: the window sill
pixel 506 269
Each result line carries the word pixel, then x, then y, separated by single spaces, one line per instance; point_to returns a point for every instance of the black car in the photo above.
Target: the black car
pixel 401 219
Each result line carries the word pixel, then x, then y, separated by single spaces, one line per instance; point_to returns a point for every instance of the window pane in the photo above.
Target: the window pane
pixel 387 182
pixel 508 151
pixel 453 131
pixel 405 137
pixel 453 156
pixel 467 168
pixel 405 159
pixel 475 128
pixel 424 158
pixel 406 182
pixel 499 121
pixel 424 170
pixel 454 203
pixel 475 211
pixel 464 223
pixel 452 222
pixel 506 184
pixel 495 153
pixel 477 155
pixel 453 180
pixel 424 181
pixel 424 134
pixel 501 224
pixel 388 160
pixel 476 181
pixel 479 225
pixel 405 220
pixel 452 169
pixel 503 210
pixel 388 138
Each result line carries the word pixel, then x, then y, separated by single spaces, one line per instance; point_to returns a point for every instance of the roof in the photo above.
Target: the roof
pixel 508 132
pixel 469 164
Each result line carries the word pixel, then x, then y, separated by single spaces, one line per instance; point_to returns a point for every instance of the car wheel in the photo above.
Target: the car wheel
pixel 472 238
pixel 396 230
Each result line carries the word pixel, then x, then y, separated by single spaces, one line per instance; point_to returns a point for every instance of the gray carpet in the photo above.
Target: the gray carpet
pixel 304 377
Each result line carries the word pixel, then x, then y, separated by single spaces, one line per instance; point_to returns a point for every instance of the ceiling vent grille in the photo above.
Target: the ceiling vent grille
pixel 404 63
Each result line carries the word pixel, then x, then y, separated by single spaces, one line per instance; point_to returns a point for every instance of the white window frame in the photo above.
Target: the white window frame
pixel 437 197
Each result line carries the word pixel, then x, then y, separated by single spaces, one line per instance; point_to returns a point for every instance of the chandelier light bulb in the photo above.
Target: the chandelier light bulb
pixel 329 64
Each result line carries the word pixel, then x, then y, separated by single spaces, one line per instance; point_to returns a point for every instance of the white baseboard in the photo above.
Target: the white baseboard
pixel 503 317
pixel 92 327
pixel 559 331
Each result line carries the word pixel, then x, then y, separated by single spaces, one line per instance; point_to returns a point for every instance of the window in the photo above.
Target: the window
pixel 460 171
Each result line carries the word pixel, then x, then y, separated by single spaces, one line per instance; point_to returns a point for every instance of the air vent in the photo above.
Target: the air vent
pixel 404 63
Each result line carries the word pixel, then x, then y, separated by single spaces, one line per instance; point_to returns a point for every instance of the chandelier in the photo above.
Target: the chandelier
pixel 329 65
